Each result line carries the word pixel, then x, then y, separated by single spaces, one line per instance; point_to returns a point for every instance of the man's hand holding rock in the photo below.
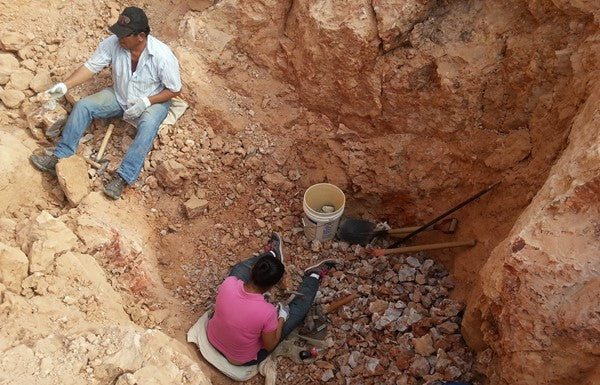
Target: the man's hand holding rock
pixel 57 91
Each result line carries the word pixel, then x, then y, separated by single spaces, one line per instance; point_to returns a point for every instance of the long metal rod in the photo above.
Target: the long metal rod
pixel 444 215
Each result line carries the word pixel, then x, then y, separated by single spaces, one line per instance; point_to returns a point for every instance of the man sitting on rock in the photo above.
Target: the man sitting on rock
pixel 145 76
pixel 245 328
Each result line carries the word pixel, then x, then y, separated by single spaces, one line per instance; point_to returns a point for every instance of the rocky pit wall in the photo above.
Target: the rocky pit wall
pixel 408 107
pixel 427 97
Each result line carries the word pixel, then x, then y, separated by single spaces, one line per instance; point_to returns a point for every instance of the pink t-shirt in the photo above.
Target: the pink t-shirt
pixel 240 318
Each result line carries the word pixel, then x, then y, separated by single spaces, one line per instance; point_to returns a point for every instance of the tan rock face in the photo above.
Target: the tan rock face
pixel 332 49
pixel 19 79
pixel 11 98
pixel 72 175
pixel 13 40
pixel 43 238
pixel 541 284
pixel 41 81
pixel 13 267
pixel 8 64
pixel 20 181
pixel 396 20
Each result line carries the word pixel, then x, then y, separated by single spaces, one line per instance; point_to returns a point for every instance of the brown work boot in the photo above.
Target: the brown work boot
pixel 45 163
pixel 115 187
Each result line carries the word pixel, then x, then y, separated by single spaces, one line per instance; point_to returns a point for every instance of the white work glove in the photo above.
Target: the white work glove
pixel 283 311
pixel 137 107
pixel 57 91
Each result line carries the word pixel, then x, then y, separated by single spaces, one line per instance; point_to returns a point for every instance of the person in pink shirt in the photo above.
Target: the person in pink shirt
pixel 245 327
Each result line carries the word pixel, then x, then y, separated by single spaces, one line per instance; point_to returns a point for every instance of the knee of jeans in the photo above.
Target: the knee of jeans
pixel 81 105
pixel 150 119
pixel 84 104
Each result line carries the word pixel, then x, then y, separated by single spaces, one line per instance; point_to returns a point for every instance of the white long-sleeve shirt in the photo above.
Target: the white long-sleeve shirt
pixel 156 70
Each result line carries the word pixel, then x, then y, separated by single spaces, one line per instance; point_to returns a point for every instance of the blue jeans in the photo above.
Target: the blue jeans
pixel 299 307
pixel 104 105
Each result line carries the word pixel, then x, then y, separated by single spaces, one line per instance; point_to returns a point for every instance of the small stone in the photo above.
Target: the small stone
pixel 172 174
pixel 276 181
pixel 448 327
pixel 20 79
pixel 327 375
pixel 406 274
pixel 427 265
pixel 421 279
pixel 240 188
pixel 8 64
pixel 13 41
pixel 152 182
pixel 294 175
pixel 371 364
pixel 447 282
pixel 452 373
pixel 414 262
pixel 424 345
pixel 419 367
pixel 327 209
pixel 14 267
pixel 41 81
pixel 315 246
pixel 195 206
pixel 353 358
pixel 378 306
pixel 12 98
pixel 412 316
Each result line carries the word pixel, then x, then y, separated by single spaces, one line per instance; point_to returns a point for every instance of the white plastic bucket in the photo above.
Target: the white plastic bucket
pixel 319 225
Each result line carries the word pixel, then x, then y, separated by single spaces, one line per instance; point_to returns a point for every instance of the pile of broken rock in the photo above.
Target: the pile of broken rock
pixel 402 329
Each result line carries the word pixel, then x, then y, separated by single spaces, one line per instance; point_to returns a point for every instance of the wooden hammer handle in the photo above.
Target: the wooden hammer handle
pixel 431 246
pixel 402 230
pixel 340 302
pixel 91 162
pixel 105 142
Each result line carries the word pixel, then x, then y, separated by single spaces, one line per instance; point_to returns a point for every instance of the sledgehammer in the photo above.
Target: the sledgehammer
pixel 104 142
pixel 98 163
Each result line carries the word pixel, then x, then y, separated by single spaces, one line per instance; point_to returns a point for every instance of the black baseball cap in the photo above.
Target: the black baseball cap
pixel 131 21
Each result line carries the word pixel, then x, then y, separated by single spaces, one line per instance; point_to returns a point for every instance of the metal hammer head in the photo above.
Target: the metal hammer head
pixel 99 166
pixel 103 166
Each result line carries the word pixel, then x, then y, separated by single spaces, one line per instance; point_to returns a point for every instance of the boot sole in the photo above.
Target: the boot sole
pixel 110 195
pixel 280 246
pixel 42 168
pixel 326 262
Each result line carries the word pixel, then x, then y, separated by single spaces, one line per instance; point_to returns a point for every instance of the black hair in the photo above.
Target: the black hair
pixel 266 272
